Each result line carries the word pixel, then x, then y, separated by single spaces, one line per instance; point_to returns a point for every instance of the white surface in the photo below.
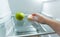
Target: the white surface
pixel 4 8
pixel 5 15
pixel 26 6
pixel 6 18
pixel 5 12
pixel 52 8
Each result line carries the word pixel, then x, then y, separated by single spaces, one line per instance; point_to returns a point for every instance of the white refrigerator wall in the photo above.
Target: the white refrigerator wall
pixel 26 6
pixel 52 8
pixel 5 15
pixel 29 6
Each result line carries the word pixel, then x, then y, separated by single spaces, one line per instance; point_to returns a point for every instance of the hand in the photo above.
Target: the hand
pixel 37 17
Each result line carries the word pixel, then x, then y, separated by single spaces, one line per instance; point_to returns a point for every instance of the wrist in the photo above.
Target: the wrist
pixel 46 20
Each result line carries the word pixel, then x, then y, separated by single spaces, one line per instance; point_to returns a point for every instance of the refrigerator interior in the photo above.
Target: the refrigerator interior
pixel 25 28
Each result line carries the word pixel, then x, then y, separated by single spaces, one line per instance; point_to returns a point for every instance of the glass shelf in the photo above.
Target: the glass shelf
pixel 26 28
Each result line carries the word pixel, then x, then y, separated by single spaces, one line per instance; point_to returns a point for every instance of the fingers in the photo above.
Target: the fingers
pixel 33 14
pixel 37 17
pixel 30 17
pixel 36 14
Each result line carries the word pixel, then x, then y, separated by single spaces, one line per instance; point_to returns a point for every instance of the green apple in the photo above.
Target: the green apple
pixel 19 15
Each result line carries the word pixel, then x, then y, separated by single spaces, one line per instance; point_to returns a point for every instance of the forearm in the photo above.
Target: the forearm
pixel 42 19
pixel 54 24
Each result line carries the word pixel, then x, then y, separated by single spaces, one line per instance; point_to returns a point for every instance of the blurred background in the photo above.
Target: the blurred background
pixel 49 8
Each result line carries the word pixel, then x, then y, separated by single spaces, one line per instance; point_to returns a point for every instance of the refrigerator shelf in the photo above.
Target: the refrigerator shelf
pixel 39 30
